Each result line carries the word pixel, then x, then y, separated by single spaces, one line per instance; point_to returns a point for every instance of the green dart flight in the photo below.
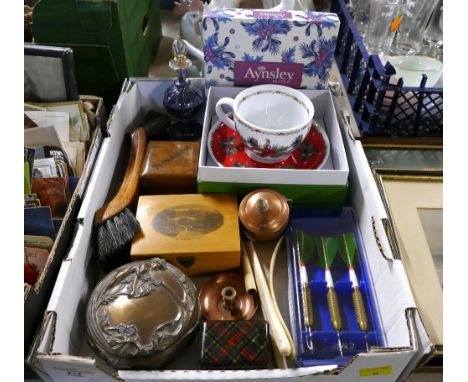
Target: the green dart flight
pixel 348 248
pixel 327 248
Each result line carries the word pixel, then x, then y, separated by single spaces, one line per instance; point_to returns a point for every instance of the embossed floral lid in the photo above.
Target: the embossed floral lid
pixel 141 314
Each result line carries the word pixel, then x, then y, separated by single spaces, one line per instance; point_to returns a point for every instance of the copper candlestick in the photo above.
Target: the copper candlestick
pixel 224 298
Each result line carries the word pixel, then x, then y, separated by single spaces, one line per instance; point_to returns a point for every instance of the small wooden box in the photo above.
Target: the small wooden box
pixel 197 233
pixel 170 168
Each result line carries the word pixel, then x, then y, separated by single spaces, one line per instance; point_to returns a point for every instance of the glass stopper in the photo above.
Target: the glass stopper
pixel 179 50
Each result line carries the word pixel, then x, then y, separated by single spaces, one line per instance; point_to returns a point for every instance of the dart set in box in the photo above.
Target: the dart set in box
pixel 333 312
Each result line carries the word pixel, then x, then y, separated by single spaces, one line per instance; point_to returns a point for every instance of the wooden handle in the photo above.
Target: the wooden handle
pixel 128 188
pixel 277 333
pixel 249 280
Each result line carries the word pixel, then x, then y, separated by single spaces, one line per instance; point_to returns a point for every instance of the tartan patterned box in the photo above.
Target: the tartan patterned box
pixel 235 345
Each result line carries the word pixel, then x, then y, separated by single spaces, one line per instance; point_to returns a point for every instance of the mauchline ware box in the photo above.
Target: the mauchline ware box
pixel 326 186
pixel 61 352
pixel 36 297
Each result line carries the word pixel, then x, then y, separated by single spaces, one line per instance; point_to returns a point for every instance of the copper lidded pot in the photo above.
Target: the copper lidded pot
pixel 264 214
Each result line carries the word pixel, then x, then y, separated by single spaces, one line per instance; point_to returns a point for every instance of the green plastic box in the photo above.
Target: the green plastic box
pixel 332 196
pixel 111 39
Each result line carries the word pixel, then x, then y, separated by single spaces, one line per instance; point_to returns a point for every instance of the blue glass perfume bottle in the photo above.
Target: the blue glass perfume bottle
pixel 181 99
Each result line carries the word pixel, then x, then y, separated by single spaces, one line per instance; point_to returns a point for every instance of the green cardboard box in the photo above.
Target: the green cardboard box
pixel 300 195
pixel 111 39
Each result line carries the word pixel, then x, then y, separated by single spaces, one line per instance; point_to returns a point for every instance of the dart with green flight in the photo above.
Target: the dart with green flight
pixel 347 248
pixel 303 246
pixel 327 248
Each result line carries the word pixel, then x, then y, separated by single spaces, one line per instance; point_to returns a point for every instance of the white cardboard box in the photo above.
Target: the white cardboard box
pixel 324 186
pixel 61 352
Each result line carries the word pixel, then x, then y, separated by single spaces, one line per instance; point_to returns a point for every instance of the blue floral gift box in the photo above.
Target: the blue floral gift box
pixel 246 47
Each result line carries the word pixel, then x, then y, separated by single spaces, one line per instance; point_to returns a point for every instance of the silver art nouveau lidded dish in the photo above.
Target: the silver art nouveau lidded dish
pixel 141 314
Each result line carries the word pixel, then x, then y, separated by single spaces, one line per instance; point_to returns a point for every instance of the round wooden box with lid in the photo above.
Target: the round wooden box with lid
pixel 141 314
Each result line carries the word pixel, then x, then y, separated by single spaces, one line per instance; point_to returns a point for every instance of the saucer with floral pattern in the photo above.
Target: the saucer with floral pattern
pixel 227 149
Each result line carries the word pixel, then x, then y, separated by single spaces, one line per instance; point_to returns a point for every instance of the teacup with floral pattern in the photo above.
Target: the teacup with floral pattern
pixel 271 120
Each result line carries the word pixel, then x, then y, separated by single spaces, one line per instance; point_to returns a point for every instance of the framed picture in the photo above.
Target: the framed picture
pixel 426 159
pixel 414 204
pixel 402 142
pixel 49 74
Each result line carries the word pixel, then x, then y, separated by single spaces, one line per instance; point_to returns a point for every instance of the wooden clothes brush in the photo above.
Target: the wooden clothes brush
pixel 116 224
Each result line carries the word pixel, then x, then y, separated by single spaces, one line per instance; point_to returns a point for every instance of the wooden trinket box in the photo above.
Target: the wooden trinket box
pixel 170 167
pixel 197 233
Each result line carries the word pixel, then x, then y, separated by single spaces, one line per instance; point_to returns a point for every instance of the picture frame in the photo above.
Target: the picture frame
pixel 402 142
pixel 49 74
pixel 414 204
pixel 393 157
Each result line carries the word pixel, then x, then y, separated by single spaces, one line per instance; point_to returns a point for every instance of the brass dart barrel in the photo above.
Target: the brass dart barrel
pixel 307 304
pixel 335 315
pixel 359 309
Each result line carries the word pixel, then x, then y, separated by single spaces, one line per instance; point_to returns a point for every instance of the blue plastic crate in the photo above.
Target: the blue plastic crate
pixel 383 109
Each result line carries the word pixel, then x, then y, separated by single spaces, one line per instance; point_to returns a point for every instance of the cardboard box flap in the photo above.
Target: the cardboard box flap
pixel 380 222
pixel 341 102
pixel 367 184
pixel 48 333
pixel 383 367
pixel 422 344
pixel 63 308
pixel 126 87
pixel 68 368
pixel 65 305
pixel 216 375
pixel 388 275
pixel 90 205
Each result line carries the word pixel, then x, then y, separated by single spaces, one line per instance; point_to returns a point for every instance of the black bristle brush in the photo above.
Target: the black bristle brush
pixel 116 224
